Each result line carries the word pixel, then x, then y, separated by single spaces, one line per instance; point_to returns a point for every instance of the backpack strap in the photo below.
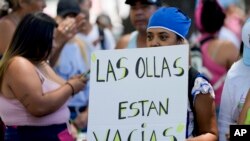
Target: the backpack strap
pixel 101 34
pixel 196 54
pixel 206 39
pixel 192 75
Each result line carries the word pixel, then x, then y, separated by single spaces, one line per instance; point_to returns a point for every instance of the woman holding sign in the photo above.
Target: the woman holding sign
pixel 169 26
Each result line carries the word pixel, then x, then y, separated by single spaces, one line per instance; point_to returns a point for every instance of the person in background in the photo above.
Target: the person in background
pixel 74 60
pixel 95 36
pixel 236 87
pixel 9 21
pixel 217 54
pixel 140 12
pixel 85 4
pixel 33 98
pixel 104 21
pixel 235 18
pixel 169 26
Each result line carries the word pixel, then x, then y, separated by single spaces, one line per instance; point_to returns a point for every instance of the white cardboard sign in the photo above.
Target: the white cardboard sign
pixel 139 94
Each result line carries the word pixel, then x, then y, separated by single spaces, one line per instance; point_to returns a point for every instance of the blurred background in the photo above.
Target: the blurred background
pixel 119 11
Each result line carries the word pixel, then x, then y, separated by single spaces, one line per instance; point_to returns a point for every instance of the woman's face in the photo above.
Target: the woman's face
pixel 161 37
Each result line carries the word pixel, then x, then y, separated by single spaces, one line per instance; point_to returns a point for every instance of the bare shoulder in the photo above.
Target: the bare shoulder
pixel 229 52
pixel 230 49
pixel 123 41
pixel 6 24
pixel 20 65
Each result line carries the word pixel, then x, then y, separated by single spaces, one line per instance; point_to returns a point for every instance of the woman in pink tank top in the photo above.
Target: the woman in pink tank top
pixel 217 55
pixel 33 98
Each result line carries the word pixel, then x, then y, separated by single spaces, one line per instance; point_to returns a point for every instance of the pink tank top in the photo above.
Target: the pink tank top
pixel 215 69
pixel 13 113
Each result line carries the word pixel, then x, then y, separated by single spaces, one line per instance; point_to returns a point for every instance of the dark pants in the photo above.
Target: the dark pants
pixel 34 133
pixel 2 129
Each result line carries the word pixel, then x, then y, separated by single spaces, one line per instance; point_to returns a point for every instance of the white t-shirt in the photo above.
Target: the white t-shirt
pixel 234 93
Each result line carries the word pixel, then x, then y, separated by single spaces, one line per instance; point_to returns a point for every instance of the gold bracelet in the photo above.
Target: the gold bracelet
pixel 73 91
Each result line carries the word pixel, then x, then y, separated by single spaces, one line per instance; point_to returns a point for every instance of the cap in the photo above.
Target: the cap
pixel 153 2
pixel 65 7
pixel 172 19
pixel 246 41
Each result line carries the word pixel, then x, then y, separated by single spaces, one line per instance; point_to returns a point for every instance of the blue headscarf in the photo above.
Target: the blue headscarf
pixel 172 19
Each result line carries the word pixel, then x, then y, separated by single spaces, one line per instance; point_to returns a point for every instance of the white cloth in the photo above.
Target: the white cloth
pixel 235 89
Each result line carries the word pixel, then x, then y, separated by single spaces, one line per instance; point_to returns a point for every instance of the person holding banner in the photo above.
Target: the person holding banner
pixel 169 26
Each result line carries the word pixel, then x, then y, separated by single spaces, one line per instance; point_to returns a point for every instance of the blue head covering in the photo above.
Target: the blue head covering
pixel 172 19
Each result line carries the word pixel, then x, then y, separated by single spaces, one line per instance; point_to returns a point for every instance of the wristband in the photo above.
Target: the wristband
pixel 73 91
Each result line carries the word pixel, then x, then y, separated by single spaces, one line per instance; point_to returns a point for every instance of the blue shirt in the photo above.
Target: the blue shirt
pixel 70 63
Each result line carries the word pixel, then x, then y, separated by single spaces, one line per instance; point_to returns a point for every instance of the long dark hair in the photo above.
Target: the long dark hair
pixel 212 16
pixel 32 40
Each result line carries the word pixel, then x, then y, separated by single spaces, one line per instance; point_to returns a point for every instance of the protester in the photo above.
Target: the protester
pixel 8 23
pixel 140 12
pixel 73 60
pixel 104 21
pixel 33 97
pixel 231 30
pixel 217 54
pixel 236 87
pixel 169 26
pixel 85 4
pixel 97 37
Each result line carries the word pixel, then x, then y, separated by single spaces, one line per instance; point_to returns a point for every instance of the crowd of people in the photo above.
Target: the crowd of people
pixel 43 58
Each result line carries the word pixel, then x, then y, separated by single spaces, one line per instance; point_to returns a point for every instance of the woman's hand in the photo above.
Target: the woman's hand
pixel 78 83
pixel 65 31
